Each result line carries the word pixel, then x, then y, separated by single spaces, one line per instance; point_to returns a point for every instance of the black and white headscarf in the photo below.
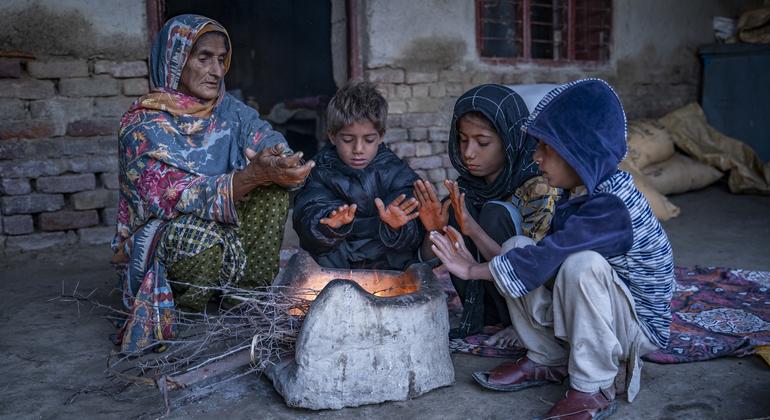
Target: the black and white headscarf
pixel 505 109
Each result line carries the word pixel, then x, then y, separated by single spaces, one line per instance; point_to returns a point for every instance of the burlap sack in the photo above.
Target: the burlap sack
pixel 680 174
pixel 648 143
pixel 754 26
pixel 661 207
pixel 691 133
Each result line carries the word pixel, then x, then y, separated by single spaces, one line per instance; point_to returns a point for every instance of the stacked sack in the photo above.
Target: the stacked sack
pixel 658 169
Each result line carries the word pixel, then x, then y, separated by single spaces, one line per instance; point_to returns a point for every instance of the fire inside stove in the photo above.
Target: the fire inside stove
pixel 307 279
pixel 378 283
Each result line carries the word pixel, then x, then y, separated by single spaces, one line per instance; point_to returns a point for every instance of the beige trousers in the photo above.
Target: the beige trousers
pixel 585 320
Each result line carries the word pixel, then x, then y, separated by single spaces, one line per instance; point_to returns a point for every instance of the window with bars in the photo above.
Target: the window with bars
pixel 550 30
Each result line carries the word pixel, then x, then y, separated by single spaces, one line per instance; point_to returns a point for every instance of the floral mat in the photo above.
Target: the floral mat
pixel 717 312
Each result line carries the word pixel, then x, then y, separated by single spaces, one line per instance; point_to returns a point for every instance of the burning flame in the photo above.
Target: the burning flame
pixel 378 283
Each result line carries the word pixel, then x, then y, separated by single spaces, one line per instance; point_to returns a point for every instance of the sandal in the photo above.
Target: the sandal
pixel 518 375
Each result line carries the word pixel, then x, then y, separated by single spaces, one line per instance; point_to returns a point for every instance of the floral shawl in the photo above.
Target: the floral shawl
pixel 177 156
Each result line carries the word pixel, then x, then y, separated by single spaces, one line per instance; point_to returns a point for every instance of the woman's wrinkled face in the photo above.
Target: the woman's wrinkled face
pixel 357 143
pixel 205 67
pixel 554 168
pixel 481 148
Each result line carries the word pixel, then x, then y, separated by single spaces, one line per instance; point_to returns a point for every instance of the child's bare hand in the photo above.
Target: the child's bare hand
pixel 451 250
pixel 341 216
pixel 433 214
pixel 399 212
pixel 464 219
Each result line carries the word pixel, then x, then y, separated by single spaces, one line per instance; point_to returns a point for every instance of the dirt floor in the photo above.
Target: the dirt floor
pixel 53 353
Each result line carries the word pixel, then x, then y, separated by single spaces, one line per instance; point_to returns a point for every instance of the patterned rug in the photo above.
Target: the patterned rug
pixel 717 312
pixel 472 344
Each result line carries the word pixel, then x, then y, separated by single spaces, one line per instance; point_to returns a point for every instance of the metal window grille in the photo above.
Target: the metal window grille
pixel 550 30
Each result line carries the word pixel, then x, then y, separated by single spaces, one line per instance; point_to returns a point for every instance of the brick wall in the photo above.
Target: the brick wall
pixel 421 103
pixel 58 148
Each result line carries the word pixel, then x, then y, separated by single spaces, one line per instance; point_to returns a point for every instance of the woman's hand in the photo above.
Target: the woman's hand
pixel 341 216
pixel 433 214
pixel 399 212
pixel 286 171
pixel 468 225
pixel 270 166
pixel 451 250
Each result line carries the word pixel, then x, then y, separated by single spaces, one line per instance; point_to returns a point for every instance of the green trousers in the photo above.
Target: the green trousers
pixel 247 256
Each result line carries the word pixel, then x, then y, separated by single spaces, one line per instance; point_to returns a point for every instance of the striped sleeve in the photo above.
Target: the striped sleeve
pixel 601 224
pixel 648 268
pixel 506 278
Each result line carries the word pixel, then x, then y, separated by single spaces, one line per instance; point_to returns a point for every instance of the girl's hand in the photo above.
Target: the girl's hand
pixel 433 214
pixel 468 226
pixel 451 250
pixel 341 216
pixel 399 212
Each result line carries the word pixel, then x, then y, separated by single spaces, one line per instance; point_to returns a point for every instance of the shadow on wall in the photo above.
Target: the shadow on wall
pixel 41 31
pixel 432 53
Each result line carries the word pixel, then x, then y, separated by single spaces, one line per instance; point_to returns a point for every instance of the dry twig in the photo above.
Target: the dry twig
pixel 260 329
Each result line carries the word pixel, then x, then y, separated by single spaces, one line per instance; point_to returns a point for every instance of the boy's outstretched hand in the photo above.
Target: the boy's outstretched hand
pixel 433 214
pixel 399 212
pixel 451 250
pixel 341 216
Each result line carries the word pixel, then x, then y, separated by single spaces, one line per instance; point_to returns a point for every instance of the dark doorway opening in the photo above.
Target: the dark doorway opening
pixel 282 60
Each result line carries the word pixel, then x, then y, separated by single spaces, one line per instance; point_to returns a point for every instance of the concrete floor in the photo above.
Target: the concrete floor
pixel 53 354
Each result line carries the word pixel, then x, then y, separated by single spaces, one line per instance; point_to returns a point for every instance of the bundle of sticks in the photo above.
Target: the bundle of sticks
pixel 251 330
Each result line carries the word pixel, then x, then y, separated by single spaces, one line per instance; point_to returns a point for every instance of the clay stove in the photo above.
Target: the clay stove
pixel 368 337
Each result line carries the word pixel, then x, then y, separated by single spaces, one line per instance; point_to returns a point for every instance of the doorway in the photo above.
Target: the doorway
pixel 282 60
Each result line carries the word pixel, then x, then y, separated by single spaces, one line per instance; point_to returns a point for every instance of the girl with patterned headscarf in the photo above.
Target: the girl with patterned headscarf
pixel 203 180
pixel 498 194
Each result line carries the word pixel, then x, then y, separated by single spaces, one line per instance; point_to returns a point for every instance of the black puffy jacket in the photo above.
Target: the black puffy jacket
pixel 367 242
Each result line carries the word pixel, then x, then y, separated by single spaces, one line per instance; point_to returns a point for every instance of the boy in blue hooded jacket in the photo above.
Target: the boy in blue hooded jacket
pixel 595 293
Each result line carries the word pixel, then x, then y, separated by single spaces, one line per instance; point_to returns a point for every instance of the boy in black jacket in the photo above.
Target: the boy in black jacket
pixel 340 214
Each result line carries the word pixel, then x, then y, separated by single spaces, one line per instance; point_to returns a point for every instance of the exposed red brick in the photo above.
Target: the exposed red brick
pixel 92 127
pixel 26 129
pixel 66 220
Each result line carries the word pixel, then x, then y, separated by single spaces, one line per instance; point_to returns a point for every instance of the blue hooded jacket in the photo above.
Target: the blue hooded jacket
pixel 584 123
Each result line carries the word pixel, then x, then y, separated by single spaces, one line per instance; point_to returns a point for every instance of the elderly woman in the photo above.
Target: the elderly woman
pixel 203 185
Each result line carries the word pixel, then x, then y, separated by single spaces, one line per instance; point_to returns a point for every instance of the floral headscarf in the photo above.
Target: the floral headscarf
pixel 170 51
